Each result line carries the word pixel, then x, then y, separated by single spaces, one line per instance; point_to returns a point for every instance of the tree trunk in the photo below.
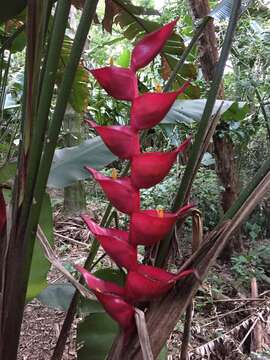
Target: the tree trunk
pixel 74 195
pixel 223 145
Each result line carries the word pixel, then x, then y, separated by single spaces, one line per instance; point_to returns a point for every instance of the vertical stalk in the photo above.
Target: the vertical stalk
pixel 185 54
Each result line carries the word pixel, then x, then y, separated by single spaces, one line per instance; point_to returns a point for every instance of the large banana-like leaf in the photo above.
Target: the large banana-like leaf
pixel 187 111
pixel 68 163
pixel 223 10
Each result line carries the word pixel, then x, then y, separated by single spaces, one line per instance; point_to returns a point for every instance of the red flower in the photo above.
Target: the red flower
pixel 115 243
pixel 3 217
pixel 120 192
pixel 150 45
pixel 121 83
pixel 149 109
pixel 123 141
pixel 101 231
pixel 111 297
pixel 147 227
pixel 149 282
pixel 149 169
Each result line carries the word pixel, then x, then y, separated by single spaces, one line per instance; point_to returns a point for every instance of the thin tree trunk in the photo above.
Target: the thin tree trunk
pixel 74 195
pixel 224 149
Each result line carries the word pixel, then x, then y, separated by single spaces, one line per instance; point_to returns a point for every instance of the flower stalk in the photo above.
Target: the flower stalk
pixel 147 227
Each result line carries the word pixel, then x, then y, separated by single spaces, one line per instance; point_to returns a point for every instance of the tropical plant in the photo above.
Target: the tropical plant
pixel 41 118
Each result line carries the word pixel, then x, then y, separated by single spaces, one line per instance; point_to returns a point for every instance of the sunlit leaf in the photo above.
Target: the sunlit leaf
pixel 40 265
pixel 68 163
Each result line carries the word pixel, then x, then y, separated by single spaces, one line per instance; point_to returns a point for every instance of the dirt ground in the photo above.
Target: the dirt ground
pixel 219 326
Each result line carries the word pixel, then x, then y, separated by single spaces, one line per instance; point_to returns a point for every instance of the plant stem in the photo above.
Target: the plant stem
pixel 59 112
pixel 18 271
pixel 186 52
pixel 196 154
pixel 43 109
pixel 16 262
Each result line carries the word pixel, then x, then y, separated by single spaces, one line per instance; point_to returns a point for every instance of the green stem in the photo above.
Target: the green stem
pixel 185 54
pixel 58 115
pixel 195 157
pixel 46 94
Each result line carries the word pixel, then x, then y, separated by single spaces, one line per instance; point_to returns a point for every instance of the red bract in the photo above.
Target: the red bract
pixel 101 231
pixel 98 285
pixel 123 141
pixel 149 282
pixel 150 45
pixel 111 297
pixel 149 169
pixel 120 251
pixel 121 311
pixel 121 83
pixel 147 227
pixel 120 192
pixel 149 109
pixel 3 217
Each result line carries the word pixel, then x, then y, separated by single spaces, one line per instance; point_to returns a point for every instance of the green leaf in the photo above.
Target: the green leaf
pixel 187 111
pixel 19 43
pixel 7 172
pixel 87 307
pixel 79 92
pixel 110 274
pixel 57 296
pixel 163 354
pixel 236 112
pixel 124 58
pixel 135 27
pixel 96 334
pixel 40 265
pixel 68 163
pixel 11 8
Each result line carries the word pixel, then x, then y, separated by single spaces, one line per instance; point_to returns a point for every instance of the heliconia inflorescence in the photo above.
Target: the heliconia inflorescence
pixel 147 227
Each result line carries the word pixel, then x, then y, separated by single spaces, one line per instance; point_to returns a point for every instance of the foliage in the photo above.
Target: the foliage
pixel 205 194
pixel 252 263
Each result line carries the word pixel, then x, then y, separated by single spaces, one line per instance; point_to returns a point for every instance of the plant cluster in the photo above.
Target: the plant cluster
pixel 147 227
pixel 253 263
